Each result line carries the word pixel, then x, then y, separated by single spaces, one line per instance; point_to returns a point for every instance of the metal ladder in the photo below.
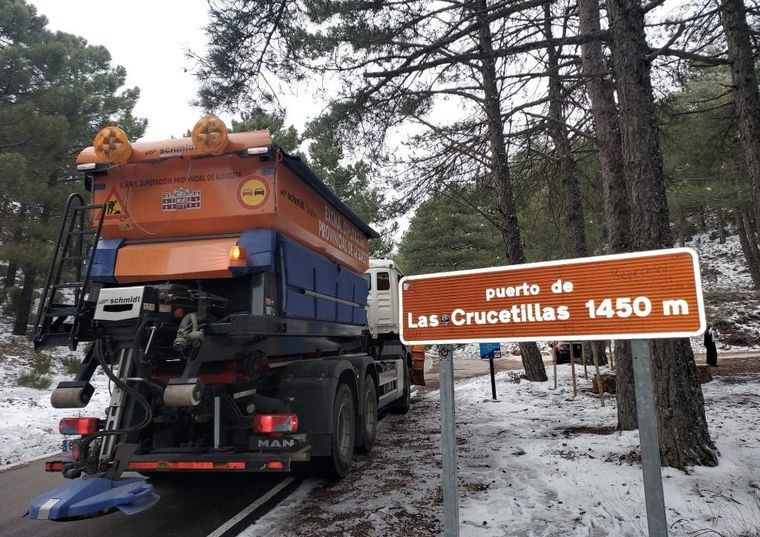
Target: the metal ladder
pixel 69 257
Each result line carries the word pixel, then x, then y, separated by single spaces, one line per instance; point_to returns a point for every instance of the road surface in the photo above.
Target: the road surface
pixel 190 506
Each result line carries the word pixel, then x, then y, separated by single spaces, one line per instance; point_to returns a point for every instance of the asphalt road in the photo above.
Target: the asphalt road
pixel 190 506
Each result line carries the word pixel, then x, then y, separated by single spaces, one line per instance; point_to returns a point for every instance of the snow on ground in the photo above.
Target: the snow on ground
pixel 723 266
pixel 537 463
pixel 732 308
pixel 29 425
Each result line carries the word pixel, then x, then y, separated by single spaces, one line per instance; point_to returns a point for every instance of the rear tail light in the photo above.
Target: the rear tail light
pixel 275 423
pixel 81 426
pixel 54 466
pixel 275 465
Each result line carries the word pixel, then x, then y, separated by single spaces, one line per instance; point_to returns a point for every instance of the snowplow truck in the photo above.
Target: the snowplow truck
pixel 224 290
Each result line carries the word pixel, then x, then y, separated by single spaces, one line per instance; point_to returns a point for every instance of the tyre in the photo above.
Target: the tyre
pixel 403 405
pixel 342 435
pixel 369 415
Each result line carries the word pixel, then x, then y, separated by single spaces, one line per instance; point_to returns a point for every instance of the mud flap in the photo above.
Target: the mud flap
pixel 88 497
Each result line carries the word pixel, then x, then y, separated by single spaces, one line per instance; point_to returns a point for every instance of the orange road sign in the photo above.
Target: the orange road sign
pixel 642 295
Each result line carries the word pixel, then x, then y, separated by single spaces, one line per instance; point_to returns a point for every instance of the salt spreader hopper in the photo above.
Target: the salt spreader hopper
pixel 226 299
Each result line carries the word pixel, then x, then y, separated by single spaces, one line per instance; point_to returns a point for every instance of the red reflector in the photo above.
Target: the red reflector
pixel 275 465
pixel 194 465
pixel 185 465
pixel 81 426
pixel 275 423
pixel 54 466
pixel 229 466
pixel 142 465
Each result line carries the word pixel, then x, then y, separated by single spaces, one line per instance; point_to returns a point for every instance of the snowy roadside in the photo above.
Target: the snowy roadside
pixel 536 463
pixel 28 424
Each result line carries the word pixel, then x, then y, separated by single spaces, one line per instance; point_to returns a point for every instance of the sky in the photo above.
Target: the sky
pixel 150 39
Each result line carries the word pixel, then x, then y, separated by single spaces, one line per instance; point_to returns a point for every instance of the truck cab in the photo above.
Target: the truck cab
pixel 382 305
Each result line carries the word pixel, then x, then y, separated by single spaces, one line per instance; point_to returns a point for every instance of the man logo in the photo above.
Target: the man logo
pixel 266 443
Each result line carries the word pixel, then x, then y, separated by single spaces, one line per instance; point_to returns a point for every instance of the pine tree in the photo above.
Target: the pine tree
pixel 56 92
pixel 452 230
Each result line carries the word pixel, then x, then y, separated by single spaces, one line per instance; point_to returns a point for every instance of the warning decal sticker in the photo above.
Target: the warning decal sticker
pixel 253 192
pixel 114 206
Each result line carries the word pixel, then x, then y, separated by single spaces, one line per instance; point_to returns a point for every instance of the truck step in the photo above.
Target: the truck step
pixel 56 339
pixel 64 311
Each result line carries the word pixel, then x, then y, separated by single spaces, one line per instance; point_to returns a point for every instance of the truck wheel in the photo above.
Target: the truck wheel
pixel 369 421
pixel 402 405
pixel 342 437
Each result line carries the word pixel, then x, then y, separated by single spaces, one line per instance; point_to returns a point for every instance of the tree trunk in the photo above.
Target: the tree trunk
pixel 702 219
pixel 18 233
pixel 5 206
pixel 681 226
pixel 564 151
pixel 601 93
pixel 10 275
pixel 746 214
pixel 533 363
pixel 721 225
pixel 30 275
pixel 642 158
pixel 749 248
pixel 617 209
pixel 744 85
pixel 25 303
pixel 12 271
pixel 601 352
pixel 625 387
pixel 684 437
pixel 531 357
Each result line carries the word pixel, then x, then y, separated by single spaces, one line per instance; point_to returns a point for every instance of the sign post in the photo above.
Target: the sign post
pixel 650 445
pixel 493 379
pixel 448 441
pixel 489 351
pixel 636 296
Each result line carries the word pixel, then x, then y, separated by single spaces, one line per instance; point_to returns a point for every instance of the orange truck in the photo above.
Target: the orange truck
pixel 224 290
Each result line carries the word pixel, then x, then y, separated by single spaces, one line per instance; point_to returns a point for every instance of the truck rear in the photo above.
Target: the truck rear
pixel 224 296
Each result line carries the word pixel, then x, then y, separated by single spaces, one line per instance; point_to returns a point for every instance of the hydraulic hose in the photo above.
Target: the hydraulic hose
pixel 148 411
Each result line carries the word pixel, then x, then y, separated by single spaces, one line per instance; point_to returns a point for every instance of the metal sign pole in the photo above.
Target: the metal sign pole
pixel 493 380
pixel 650 445
pixel 448 441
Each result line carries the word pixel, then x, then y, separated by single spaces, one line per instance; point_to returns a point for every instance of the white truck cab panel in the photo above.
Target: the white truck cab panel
pixel 382 309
